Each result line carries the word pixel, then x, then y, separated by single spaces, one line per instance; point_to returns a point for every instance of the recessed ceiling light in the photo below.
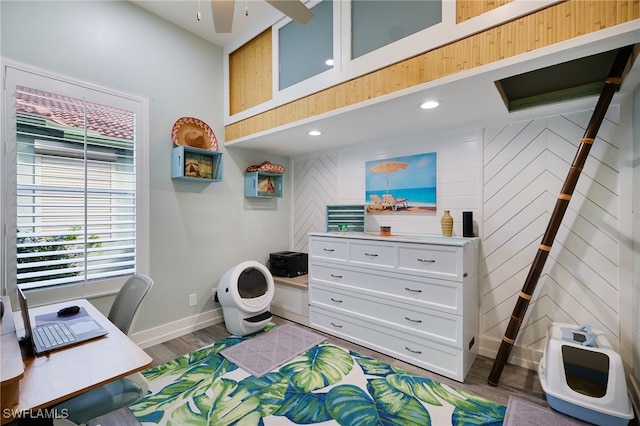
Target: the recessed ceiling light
pixel 314 133
pixel 430 104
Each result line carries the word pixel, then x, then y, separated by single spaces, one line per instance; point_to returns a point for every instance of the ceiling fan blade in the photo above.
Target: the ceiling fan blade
pixel 222 15
pixel 294 9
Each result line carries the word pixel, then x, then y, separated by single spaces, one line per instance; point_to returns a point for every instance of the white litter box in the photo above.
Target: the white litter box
pixel 245 293
pixel 582 381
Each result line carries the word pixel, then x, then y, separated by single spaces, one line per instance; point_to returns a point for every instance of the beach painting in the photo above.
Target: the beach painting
pixel 401 184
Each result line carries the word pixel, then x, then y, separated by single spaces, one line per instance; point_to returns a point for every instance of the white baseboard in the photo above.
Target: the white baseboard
pixel 522 357
pixel 160 334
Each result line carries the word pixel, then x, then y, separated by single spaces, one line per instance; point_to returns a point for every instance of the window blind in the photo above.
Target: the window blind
pixel 75 189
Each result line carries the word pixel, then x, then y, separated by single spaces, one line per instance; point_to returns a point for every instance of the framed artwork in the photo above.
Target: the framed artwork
pixel 401 184
pixel 198 165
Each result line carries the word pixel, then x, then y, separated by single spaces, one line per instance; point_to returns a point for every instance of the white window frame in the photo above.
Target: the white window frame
pixel 12 72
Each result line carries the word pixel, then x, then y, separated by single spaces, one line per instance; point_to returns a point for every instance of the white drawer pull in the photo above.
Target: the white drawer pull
pixel 336 276
pixel 329 250
pixel 412 320
pixel 426 260
pixel 413 290
pixel 336 325
pixel 411 350
pixel 336 300
pixel 371 254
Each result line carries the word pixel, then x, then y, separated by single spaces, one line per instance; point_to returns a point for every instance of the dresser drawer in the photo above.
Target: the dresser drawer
pixel 364 254
pixel 437 261
pixel 387 339
pixel 437 326
pixel 441 295
pixel 328 249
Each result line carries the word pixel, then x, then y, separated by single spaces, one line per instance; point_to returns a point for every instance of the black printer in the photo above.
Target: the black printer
pixel 288 263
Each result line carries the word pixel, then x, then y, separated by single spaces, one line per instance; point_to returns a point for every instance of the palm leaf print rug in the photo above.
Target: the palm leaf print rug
pixel 325 385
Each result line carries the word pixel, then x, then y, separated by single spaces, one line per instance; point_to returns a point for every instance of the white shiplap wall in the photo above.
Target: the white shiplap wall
pixel 524 167
pixel 339 178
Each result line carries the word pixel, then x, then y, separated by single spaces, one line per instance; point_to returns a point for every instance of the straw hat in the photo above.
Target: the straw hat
pixel 193 132
pixel 266 167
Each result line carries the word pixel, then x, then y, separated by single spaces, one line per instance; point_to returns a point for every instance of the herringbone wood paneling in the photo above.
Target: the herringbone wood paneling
pixel 525 165
pixel 315 185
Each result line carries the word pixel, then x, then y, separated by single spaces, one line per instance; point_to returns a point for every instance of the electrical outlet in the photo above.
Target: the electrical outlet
pixel 193 299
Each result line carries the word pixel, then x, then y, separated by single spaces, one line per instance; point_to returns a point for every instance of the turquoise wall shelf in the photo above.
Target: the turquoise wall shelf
pixel 263 185
pixel 195 164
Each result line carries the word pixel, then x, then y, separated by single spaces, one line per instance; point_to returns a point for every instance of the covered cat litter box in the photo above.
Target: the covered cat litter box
pixel 583 377
pixel 245 293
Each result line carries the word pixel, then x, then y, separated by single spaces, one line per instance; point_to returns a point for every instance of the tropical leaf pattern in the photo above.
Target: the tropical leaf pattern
pixel 326 385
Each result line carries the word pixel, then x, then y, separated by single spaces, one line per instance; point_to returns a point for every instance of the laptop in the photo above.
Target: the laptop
pixel 58 332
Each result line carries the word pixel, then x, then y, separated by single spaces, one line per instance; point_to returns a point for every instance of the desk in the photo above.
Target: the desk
pixel 62 374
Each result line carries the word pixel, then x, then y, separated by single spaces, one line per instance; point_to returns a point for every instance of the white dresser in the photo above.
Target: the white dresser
pixel 412 297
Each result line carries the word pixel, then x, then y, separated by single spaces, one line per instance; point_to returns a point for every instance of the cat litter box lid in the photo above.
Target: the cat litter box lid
pixel 248 286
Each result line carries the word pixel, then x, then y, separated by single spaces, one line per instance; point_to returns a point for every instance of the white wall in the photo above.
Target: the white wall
pixel 197 231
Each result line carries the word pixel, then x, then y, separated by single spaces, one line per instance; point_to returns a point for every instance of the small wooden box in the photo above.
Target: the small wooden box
pixel 195 164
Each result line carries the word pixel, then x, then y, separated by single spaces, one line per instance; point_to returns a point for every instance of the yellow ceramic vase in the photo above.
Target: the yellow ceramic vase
pixel 447 224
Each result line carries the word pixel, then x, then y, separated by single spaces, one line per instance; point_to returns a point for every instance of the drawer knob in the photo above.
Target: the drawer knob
pixel 371 254
pixel 412 351
pixel 336 300
pixel 427 260
pixel 329 250
pixel 336 276
pixel 412 320
pixel 336 325
pixel 413 290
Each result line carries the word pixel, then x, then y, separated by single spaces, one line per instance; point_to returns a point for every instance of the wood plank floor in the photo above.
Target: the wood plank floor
pixel 517 381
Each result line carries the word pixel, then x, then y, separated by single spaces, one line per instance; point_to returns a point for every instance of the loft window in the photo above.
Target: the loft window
pixel 306 51
pixel 375 24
